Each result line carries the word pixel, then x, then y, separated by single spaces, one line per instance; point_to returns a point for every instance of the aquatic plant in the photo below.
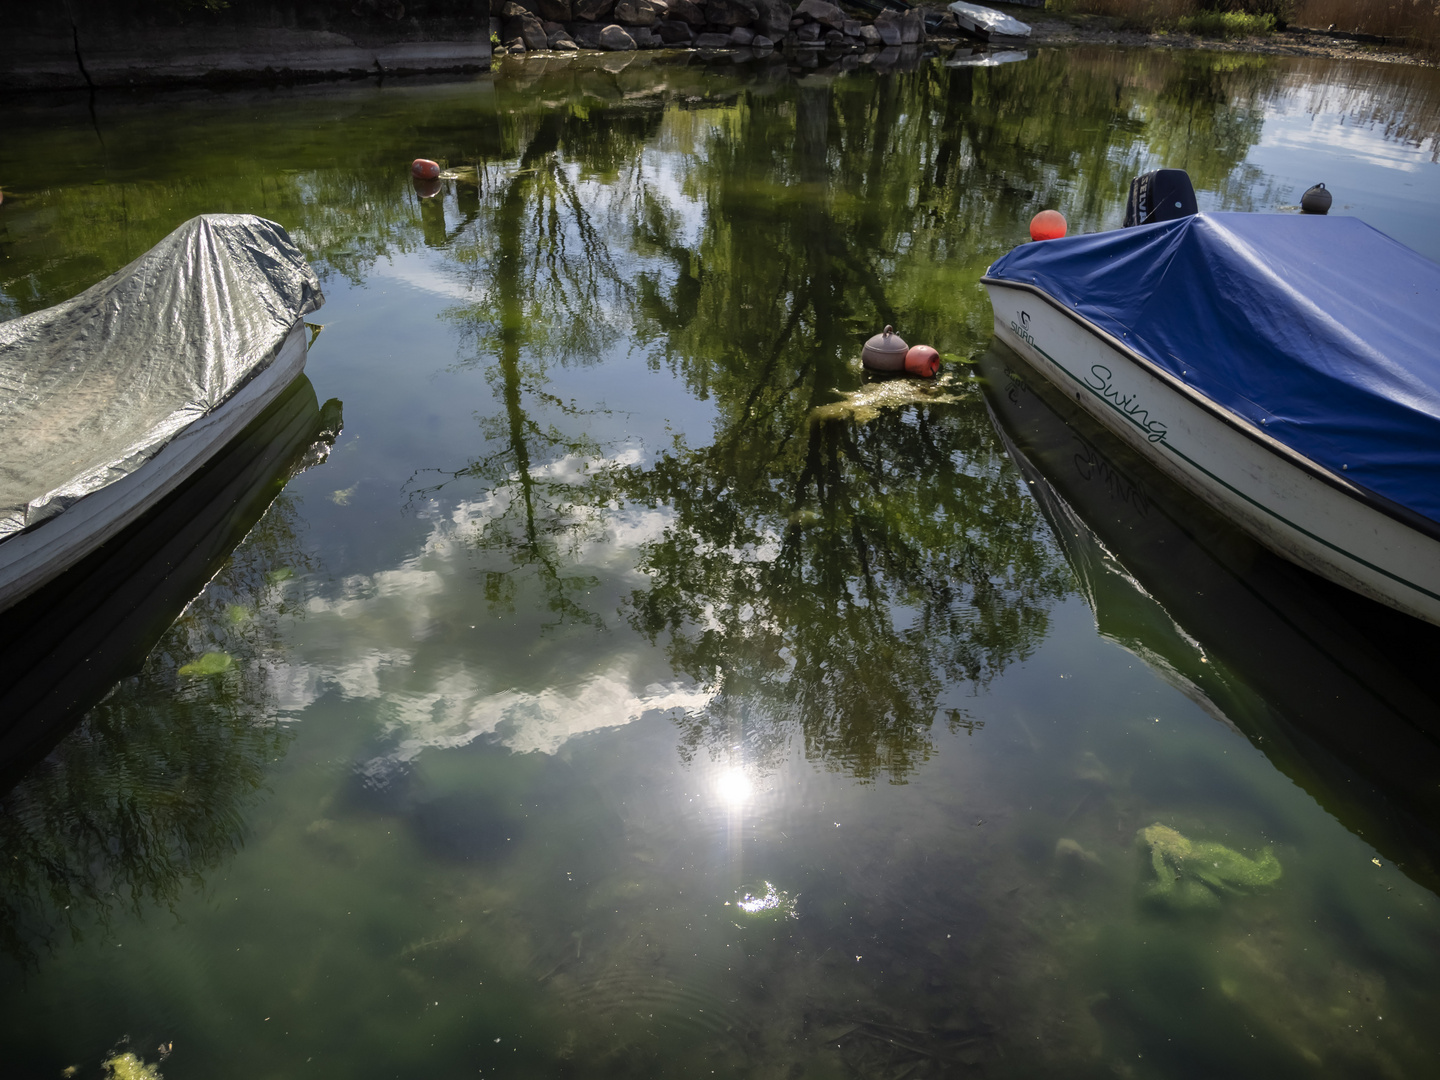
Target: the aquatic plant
pixel 129 1066
pixel 212 663
pixel 1194 873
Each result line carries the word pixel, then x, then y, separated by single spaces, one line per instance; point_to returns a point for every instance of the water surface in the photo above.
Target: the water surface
pixel 640 690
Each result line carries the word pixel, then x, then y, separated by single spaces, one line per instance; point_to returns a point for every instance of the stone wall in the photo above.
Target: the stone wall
pixel 106 43
pixel 622 25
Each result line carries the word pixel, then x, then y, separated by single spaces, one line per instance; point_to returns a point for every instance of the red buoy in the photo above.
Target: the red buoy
pixel 1047 225
pixel 425 169
pixel 923 361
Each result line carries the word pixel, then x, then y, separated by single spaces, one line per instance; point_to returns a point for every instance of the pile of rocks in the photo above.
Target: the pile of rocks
pixel 622 25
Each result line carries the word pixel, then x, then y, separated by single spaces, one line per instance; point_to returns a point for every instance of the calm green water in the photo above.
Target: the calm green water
pixel 639 691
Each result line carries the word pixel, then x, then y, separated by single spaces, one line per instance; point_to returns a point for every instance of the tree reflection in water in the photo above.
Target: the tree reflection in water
pixel 824 575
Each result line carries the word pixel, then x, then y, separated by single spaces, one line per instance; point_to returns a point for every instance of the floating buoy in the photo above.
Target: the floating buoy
pixel 1316 200
pixel 425 169
pixel 1047 225
pixel 885 351
pixel 922 361
pixel 426 189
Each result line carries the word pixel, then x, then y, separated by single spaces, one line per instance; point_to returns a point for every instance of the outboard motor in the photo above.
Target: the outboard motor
pixel 1162 195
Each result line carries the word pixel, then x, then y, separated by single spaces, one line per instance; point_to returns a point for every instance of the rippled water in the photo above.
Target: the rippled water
pixel 639 690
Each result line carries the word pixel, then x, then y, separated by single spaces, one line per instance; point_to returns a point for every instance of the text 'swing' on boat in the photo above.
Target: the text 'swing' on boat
pixel 92 389
pixel 1318 331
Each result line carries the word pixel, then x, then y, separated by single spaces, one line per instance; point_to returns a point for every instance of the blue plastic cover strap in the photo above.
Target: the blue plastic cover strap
pixel 1322 331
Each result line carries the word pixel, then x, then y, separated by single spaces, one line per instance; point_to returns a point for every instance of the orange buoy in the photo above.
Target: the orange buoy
pixel 922 360
pixel 1047 225
pixel 425 169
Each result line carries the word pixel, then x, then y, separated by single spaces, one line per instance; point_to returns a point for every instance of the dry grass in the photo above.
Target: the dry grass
pixel 1415 23
pixel 1412 23
pixel 1209 18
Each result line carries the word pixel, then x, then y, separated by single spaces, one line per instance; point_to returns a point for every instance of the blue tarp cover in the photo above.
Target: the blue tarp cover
pixel 1324 328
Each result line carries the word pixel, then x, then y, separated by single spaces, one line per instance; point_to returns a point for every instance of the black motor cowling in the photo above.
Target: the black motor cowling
pixel 1162 195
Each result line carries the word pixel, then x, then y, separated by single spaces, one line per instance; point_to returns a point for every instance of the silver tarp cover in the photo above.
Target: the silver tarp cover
pixel 93 388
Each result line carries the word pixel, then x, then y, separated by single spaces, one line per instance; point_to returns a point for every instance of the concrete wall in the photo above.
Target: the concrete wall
pixel 57 44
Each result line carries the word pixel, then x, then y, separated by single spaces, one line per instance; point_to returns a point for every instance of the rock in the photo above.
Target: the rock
pixel 586 34
pixel 592 10
pixel 560 40
pixel 553 10
pixel 834 37
pixel 731 12
pixel 742 36
pixel 674 32
pixel 514 46
pixel 912 27
pixel 687 11
pixel 615 39
pixel 870 36
pixel 808 32
pixel 513 10
pixel 948 25
pixel 887 25
pixel 826 14
pixel 635 13
pixel 662 9
pixel 645 37
pixel 852 28
pixel 772 18
pixel 551 27
pixel 713 41
pixel 565 45
pixel 527 29
pixel 762 42
pixel 533 31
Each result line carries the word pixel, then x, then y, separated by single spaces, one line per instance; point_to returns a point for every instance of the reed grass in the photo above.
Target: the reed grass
pixel 1414 23
pixel 1210 18
pixel 1411 23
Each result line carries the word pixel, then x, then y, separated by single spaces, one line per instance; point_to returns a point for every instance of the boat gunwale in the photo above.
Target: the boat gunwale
pixel 1390 508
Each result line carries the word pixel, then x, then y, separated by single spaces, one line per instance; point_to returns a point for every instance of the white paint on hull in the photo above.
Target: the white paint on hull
pixel 1293 506
pixel 32 558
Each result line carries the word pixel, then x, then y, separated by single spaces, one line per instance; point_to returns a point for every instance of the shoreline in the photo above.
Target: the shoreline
pixel 216 57
pixel 1294 41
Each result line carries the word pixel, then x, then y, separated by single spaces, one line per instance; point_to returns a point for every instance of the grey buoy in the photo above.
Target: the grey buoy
pixel 1316 200
pixel 885 351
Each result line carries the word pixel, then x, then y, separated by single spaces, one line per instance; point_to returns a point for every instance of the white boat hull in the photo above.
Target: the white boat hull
pixel 1293 506
pixel 32 558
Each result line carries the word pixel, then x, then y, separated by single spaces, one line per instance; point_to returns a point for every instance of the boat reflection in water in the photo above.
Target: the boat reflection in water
pixel 66 645
pixel 1336 690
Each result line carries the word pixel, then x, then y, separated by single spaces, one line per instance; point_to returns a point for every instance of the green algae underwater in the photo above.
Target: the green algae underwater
pixel 639 689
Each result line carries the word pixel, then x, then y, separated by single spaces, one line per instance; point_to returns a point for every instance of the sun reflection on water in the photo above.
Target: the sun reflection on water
pixel 733 787
pixel 769 901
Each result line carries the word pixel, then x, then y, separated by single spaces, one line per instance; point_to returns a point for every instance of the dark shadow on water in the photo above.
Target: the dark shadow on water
pixel 122 789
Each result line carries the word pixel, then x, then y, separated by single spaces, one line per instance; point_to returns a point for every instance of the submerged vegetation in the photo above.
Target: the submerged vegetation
pixel 1195 873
